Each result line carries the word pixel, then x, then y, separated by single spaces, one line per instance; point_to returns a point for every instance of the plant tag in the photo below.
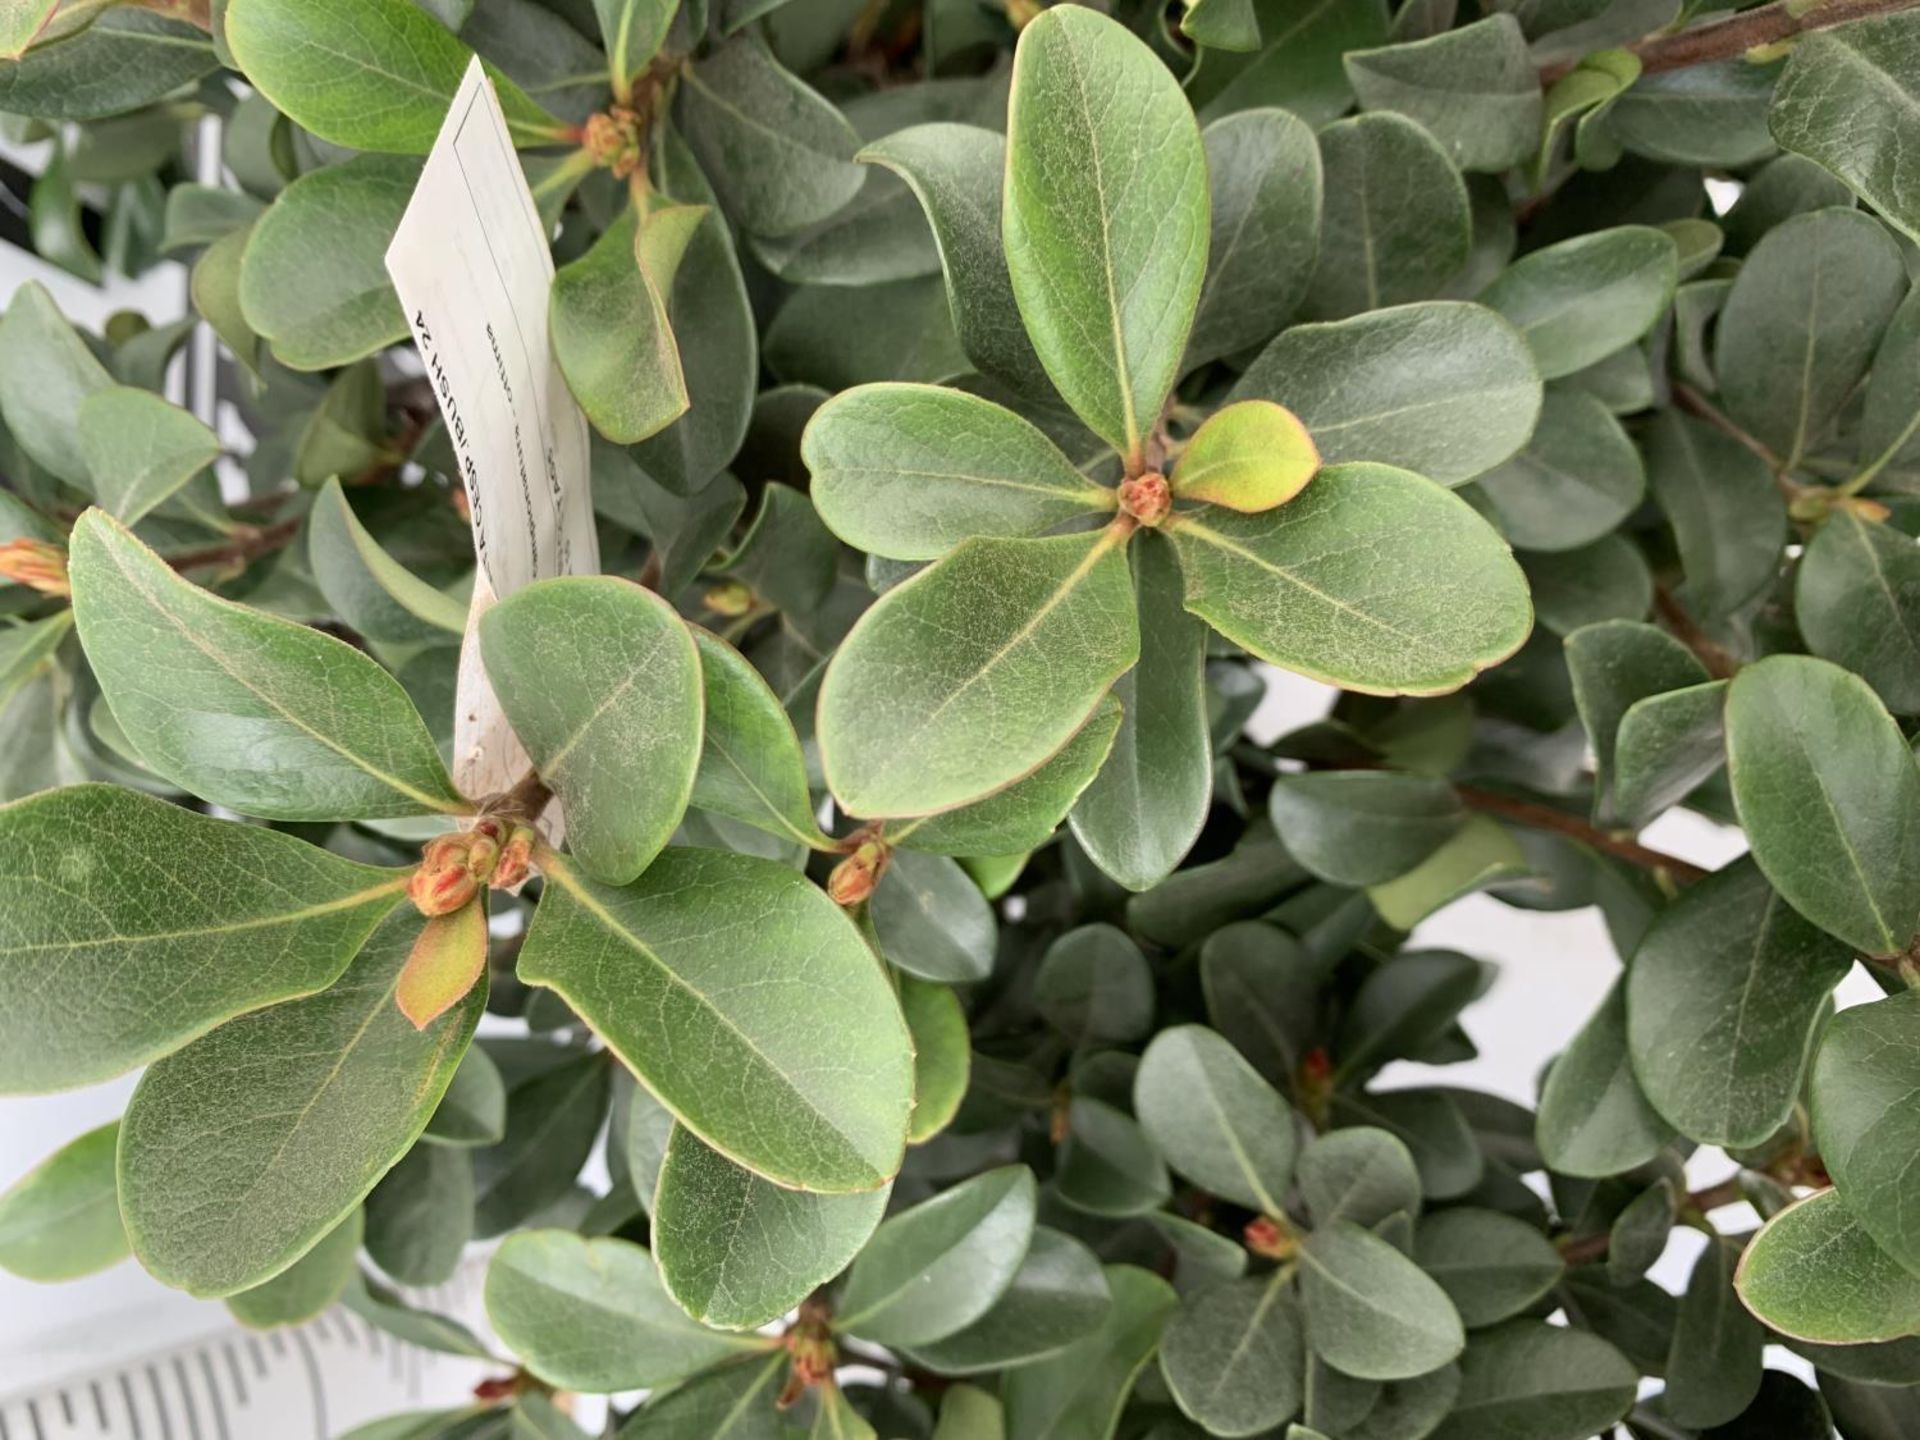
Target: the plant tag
pixel 472 268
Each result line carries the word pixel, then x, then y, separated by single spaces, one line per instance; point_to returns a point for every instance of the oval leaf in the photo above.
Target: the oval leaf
pixel 1251 455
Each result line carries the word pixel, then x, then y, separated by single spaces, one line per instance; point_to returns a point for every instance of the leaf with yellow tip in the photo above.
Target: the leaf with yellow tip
pixel 445 962
pixel 1250 456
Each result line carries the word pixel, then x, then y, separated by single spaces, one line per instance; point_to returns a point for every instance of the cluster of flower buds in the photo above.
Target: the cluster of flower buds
pixel 38 564
pixel 615 140
pixel 810 1342
pixel 454 868
pixel 1147 498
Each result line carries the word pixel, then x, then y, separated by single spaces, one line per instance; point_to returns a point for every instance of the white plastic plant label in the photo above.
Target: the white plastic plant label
pixel 471 264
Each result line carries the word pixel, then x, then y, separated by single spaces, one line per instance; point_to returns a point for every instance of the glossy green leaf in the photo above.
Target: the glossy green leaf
pixel 124 60
pixel 778 154
pixel 910 471
pixel 1862 1111
pixel 975 672
pixel 1214 1119
pixel 61 1220
pixel 308 1286
pixel 1594 1120
pixel 1298 586
pixel 611 333
pixel 1713 1369
pixel 1890 418
pixel 1830 798
pixel 1801 324
pixel 1666 746
pixel 420 1215
pixel 722 951
pixel 942 1059
pixel 140 449
pixel 1370 1311
pixel 1845 101
pixel 261 917
pixel 1546 1382
pixel 1105 215
pixel 1814 1273
pixel 366 74
pixel 1251 455
pixel 238 1153
pixel 1233 1356
pixel 1445 389
pixel 46 373
pixel 249 711
pixel 1058 1296
pixel 1577 480
pixel 935 1269
pixel 367 587
pixel 553 1119
pixel 474 1109
pixel 314 280
pixel 751 767
pixel 1614 665
pixel 1107 1165
pixel 1362 827
pixel 1396 224
pixel 1492 1266
pixel 1078 1394
pixel 601 682
pixel 907 334
pixel 1724 999
pixel 738 1252
pixel 1714 113
pixel 631 32
pixel 1363 1175
pixel 1607 580
pixel 932 920
pixel 1475 90
pixel 729 1402
pixel 1582 299
pixel 1639 1234
pixel 1857 600
pixel 1093 984
pixel 1405 1006
pixel 592 1315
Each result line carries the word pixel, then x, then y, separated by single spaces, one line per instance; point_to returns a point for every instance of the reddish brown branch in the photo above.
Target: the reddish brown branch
pixel 1545 817
pixel 1719 661
pixel 1736 35
pixel 1589 1248
pixel 248 543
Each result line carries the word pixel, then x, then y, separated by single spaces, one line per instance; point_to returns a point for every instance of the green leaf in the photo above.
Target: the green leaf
pixel 1546 1382
pixel 1396 224
pixel 1475 90
pixel 1724 999
pixel 420 1215
pixel 934 1269
pixel 1666 746
pixel 932 921
pixel 721 952
pixel 1828 793
pixel 1106 215
pixel 1362 827
pixel 256 918
pixel 46 373
pixel 139 449
pixel 1405 1006
pixel 1299 68
pixel 1263 177
pixel 1361 1174
pixel 942 1060
pixel 1814 1273
pixel 1146 807
pixel 61 1220
pixel 592 1315
pixel 907 334
pixel 238 1153
pixel 1233 1356
pixel 1433 1128
pixel 601 682
pixel 1713 1369
pixel 956 171
pixel 1577 480
pixel 611 333
pixel 1594 1121
pixel 1058 1296
pixel 1862 1113
pixel 1583 99
pixel 1250 455
pixel 1445 389
pixel 308 1286
pixel 1613 666
pixel 836 1419
pixel 1725 507
pixel 1580 300
pixel 244 709
pixel 1093 984
pixel 1107 1166
pixel 1300 586
pixel 1801 324
pixel 1214 1119
pixel 1370 1311
pixel 366 74
pixel 879 235
pixel 1857 600
pixel 969 1413
pixel 553 1119
pixel 779 155
pixel 1407 1408
pixel 1024 816
pixel 751 767
pixel 121 62
pixel 975 672
pixel 1607 580
pixel 910 471
pixel 738 1252
pixel 1639 1234
pixel 1079 1393
pixel 215 291
pixel 1846 100
pixel 632 32
pixel 474 1109
pixel 383 1309
pixel 1492 1266
pixel 732 1402
pixel 367 587
pixel 1712 114
pixel 314 280
pixel 1890 418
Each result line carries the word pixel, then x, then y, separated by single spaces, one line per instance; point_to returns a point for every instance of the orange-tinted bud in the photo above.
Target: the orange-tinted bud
pixel 1147 497
pixel 38 564
pixel 729 598
pixel 853 878
pixel 1270 1238
pixel 612 137
pixel 516 859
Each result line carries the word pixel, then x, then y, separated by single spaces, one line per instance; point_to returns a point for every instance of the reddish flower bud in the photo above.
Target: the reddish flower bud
pixel 1270 1238
pixel 1147 497
pixel 516 859
pixel 613 138
pixel 853 878
pixel 38 564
